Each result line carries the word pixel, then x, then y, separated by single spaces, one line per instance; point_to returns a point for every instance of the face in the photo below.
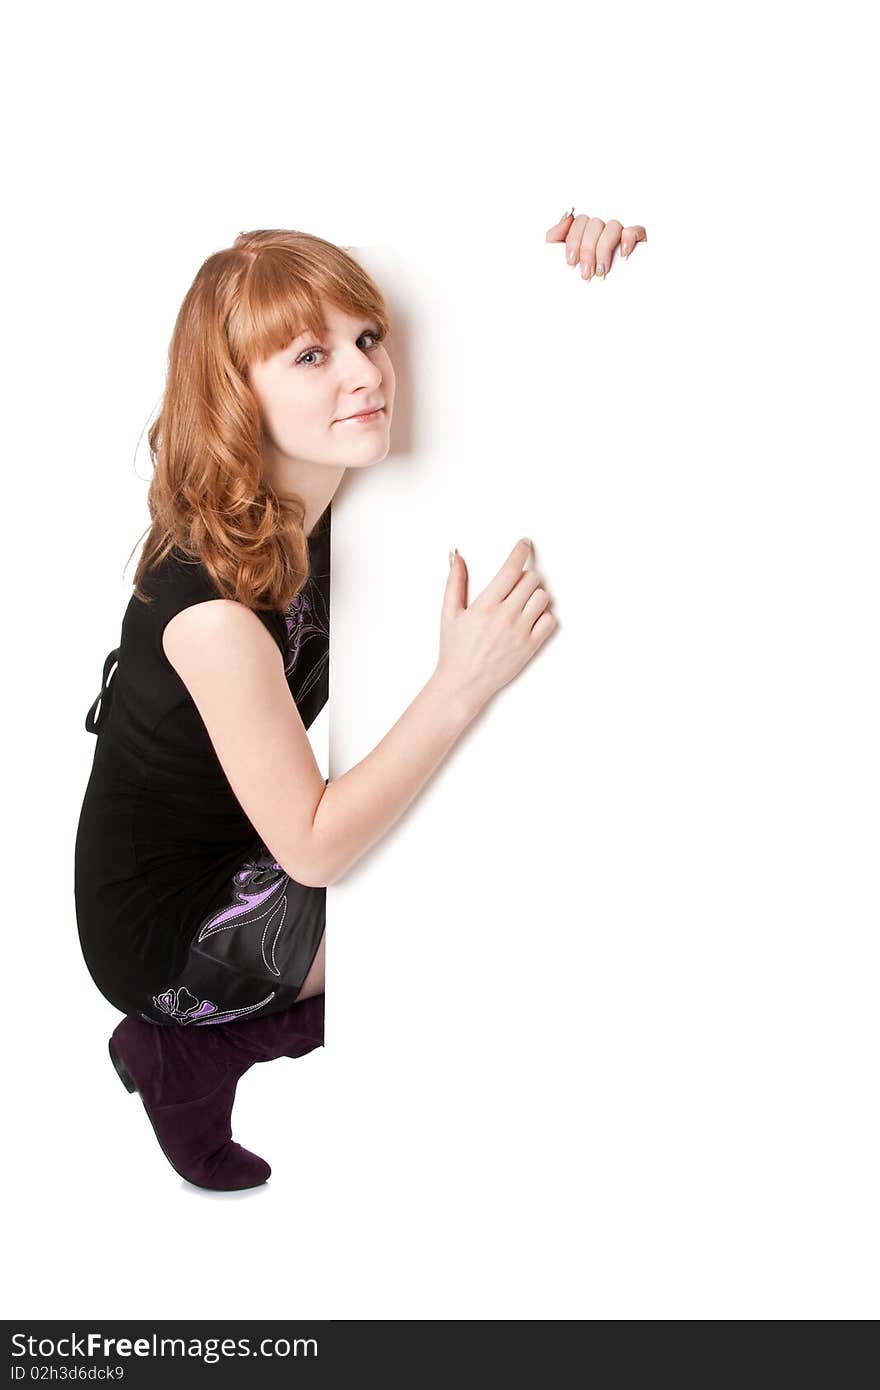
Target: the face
pixel 308 389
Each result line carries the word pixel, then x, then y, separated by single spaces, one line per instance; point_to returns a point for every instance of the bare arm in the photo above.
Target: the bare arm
pixel 360 807
pixel 234 672
pixel 235 675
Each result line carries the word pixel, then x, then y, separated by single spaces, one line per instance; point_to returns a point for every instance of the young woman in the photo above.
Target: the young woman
pixel 207 835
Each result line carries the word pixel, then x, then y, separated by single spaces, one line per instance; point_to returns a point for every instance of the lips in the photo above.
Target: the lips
pixel 369 411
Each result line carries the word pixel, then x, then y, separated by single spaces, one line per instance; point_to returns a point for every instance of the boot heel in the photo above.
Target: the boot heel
pixel 121 1068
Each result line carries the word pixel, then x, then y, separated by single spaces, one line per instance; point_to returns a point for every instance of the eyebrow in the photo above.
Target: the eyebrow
pixel 307 332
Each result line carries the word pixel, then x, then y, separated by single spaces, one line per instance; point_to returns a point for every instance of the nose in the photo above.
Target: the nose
pixel 362 383
pixel 363 371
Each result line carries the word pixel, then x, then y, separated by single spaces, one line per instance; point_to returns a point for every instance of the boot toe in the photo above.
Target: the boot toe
pixel 234 1168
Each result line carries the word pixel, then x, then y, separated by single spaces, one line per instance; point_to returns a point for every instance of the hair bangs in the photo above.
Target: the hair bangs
pixel 286 291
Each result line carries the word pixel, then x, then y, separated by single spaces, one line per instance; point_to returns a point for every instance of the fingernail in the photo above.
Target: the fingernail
pixel 528 542
pixel 600 268
pixel 569 256
pixel 585 271
pixel 451 558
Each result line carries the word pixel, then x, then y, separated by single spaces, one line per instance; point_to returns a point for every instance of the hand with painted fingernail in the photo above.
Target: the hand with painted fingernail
pixel 591 243
pixel 485 643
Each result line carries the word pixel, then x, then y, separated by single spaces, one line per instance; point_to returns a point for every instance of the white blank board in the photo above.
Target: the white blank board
pixel 588 1003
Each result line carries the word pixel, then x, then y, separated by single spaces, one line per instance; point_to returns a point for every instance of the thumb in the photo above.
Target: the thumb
pixel 455 597
pixel 562 228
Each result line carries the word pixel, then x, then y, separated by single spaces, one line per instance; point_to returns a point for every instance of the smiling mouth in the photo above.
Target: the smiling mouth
pixel 365 415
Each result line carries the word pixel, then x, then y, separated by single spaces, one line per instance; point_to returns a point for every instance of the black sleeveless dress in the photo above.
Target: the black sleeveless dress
pixel 184 915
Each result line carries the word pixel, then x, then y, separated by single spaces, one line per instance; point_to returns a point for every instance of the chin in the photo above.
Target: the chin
pixel 367 460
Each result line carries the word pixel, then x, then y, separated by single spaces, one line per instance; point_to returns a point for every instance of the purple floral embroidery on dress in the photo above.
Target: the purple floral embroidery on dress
pixel 307 620
pixel 184 1007
pixel 295 618
pixel 256 915
pixel 260 887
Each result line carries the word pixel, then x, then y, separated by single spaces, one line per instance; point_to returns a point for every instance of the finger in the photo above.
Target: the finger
pixel 573 240
pixel 546 625
pixel 630 237
pixel 537 602
pixel 608 239
pixel 525 586
pixel 455 597
pixel 560 231
pixel 589 240
pixel 498 588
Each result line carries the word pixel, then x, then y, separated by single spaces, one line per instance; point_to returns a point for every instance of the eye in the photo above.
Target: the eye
pixel 375 333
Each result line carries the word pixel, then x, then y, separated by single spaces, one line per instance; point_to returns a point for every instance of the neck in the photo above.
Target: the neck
pixel 315 484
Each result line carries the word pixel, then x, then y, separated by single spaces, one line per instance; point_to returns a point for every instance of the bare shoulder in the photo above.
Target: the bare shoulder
pixel 205 635
pixel 234 672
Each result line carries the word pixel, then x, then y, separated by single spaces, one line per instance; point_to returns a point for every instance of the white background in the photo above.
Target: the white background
pixel 601 1011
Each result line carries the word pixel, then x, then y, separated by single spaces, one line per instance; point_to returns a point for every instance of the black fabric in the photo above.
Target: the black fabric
pixel 180 906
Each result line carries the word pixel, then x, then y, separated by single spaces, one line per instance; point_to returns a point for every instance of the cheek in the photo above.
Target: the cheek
pixel 296 418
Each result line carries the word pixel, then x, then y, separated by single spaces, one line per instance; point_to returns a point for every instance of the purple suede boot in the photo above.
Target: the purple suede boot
pixel 288 1033
pixel 187 1080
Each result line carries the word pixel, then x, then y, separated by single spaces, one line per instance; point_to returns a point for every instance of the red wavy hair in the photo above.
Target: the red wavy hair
pixel 208 495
